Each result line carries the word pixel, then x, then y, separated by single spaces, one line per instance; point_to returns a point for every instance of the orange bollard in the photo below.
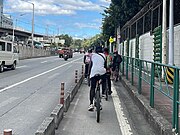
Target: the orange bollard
pixel 62 93
pixel 7 131
pixel 76 76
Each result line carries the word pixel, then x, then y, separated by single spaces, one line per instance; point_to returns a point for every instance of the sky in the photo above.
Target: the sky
pixel 77 18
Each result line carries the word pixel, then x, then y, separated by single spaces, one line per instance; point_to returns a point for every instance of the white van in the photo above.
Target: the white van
pixel 8 55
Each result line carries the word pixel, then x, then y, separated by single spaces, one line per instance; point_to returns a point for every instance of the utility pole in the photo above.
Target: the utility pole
pixel 171 33
pixel 164 37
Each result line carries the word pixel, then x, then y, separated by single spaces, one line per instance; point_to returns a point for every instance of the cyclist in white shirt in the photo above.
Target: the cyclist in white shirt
pixel 97 67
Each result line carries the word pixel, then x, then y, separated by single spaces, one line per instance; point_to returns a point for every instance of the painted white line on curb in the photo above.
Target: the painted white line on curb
pixel 28 79
pixel 44 61
pixel 123 121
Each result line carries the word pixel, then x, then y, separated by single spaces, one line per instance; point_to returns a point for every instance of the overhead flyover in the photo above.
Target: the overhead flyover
pixel 18 33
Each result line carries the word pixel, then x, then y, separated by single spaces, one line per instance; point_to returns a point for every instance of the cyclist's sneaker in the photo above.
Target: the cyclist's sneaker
pixel 91 107
pixel 103 96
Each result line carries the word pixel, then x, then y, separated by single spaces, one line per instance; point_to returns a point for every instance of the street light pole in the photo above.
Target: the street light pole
pixel 33 26
pixel 32 34
pixel 171 33
pixel 14 27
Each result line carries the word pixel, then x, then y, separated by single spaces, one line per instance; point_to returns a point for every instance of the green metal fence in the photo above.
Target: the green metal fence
pixel 151 73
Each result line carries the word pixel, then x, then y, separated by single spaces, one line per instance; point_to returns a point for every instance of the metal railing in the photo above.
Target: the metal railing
pixel 154 75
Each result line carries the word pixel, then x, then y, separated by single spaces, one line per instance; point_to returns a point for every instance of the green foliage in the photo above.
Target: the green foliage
pixel 118 13
pixel 68 39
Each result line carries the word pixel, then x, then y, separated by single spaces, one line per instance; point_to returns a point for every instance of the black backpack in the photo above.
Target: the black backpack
pixel 118 59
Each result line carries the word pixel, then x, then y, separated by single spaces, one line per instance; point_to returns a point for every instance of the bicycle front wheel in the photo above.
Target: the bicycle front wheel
pixel 98 106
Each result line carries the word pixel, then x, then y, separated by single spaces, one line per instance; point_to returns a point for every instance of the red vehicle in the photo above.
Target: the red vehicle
pixel 66 50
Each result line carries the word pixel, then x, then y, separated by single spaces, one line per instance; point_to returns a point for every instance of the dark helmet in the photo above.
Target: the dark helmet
pixel 106 50
pixel 115 52
pixel 90 51
pixel 99 49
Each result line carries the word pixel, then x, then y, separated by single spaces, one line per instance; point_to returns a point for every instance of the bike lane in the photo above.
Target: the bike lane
pixel 114 119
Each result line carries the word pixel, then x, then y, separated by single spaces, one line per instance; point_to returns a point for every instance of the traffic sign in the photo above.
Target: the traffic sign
pixel 111 40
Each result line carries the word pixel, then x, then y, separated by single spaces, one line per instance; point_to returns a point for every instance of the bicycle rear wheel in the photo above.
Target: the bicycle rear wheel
pixel 98 106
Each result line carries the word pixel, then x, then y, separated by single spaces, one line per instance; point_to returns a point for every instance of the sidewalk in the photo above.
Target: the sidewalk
pixel 160 117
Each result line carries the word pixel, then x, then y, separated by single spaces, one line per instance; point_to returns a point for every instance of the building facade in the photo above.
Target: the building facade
pixel 5 20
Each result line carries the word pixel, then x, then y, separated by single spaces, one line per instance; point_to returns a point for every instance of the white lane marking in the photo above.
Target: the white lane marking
pixel 75 105
pixel 72 112
pixel 123 121
pixel 10 100
pixel 22 66
pixel 28 79
pixel 44 61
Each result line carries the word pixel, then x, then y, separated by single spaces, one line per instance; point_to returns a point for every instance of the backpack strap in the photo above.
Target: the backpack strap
pixel 105 61
pixel 102 56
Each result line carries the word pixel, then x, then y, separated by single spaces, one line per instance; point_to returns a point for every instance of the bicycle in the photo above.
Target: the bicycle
pixel 97 98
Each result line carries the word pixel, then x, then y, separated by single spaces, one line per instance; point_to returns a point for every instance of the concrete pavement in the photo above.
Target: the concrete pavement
pixel 116 118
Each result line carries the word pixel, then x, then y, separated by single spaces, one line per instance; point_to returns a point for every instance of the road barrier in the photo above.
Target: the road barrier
pixel 8 132
pixel 47 127
pixel 82 70
pixel 62 93
pixel 51 123
pixel 170 75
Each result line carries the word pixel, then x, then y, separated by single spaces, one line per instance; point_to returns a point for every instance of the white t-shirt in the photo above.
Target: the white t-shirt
pixel 98 64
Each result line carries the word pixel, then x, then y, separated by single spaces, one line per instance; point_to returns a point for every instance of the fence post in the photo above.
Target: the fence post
pixel 8 132
pixel 127 60
pixel 140 77
pixel 123 66
pixel 152 85
pixel 132 73
pixel 76 76
pixel 176 84
pixel 62 93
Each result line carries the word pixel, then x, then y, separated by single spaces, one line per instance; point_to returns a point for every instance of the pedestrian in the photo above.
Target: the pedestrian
pixel 87 59
pixel 116 64
pixel 108 69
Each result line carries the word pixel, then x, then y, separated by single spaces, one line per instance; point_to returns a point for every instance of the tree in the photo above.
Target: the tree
pixel 68 40
pixel 118 13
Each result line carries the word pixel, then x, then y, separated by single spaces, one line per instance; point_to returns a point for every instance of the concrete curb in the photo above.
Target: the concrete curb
pixel 67 102
pixel 160 124
pixel 57 114
pixel 51 123
pixel 47 127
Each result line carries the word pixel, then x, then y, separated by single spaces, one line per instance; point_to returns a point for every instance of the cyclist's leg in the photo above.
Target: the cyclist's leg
pixel 103 78
pixel 92 89
pixel 86 70
pixel 92 93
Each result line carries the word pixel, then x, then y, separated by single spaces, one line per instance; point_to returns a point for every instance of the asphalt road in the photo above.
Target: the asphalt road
pixel 30 93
